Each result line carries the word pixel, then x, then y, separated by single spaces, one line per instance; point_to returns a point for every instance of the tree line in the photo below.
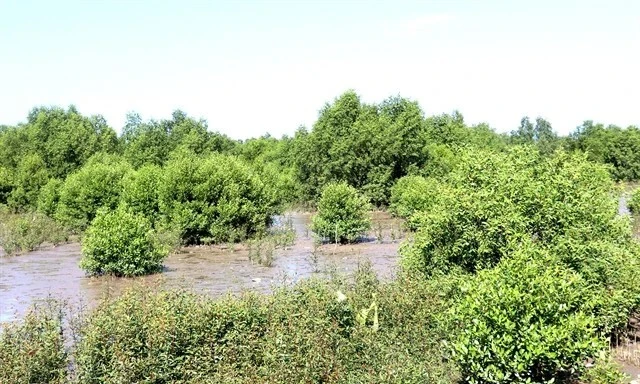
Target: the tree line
pixel 368 146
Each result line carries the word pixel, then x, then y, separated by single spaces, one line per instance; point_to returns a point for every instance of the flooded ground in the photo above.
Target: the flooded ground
pixel 213 270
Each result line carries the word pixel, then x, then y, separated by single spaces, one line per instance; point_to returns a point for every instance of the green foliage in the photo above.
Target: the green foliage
pixel 540 135
pixel 121 243
pixel 302 334
pixel 30 176
pixel 49 197
pixel 171 336
pixel 140 191
pixel 368 146
pixel 32 350
pixel 526 320
pixel 342 214
pixel 634 201
pixel 414 194
pixel 66 139
pixel 612 268
pixel 273 159
pixel 6 184
pixel 153 142
pixel 98 184
pixel 26 232
pixel 612 145
pixel 217 197
pixel 145 143
pixel 494 200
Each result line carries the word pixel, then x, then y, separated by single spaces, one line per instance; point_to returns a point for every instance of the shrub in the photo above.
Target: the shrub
pixel 413 194
pixel 140 191
pixel 313 331
pixel 6 184
pixel 97 184
pixel 121 243
pixel 49 197
pixel 26 232
pixel 526 320
pixel 495 200
pixel 217 197
pixel 173 336
pixel 611 268
pixel 342 214
pixel 32 349
pixel 30 176
pixel 634 201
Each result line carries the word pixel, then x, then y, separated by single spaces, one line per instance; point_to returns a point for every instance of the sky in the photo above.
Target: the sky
pixel 252 67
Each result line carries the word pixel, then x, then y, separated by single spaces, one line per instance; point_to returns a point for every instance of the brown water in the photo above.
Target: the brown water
pixel 213 270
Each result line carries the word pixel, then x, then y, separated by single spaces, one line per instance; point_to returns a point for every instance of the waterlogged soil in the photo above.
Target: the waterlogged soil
pixel 213 270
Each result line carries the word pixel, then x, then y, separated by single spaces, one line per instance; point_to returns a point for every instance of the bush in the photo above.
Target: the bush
pixel 121 243
pixel 634 202
pixel 217 197
pixel 413 194
pixel 342 214
pixel 49 197
pixel 495 200
pixel 6 184
pixel 173 336
pixel 612 268
pixel 31 174
pixel 140 191
pixel 26 232
pixel 526 320
pixel 32 349
pixel 97 184
pixel 314 331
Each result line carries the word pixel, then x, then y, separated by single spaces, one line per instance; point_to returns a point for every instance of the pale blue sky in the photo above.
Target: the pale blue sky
pixel 251 67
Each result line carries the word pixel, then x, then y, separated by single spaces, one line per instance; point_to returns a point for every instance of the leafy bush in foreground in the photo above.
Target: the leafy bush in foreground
pixel 342 214
pixel 121 243
pixel 526 320
pixel 32 350
pixel 315 331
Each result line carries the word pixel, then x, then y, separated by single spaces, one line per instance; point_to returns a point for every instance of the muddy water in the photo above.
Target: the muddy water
pixel 211 270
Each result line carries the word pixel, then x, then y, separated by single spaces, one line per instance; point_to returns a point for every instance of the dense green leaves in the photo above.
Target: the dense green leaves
pixel 367 146
pixel 33 350
pixel 30 176
pixel 342 214
pixel 66 139
pixel 306 333
pixel 612 145
pixel 412 195
pixel 634 201
pixel 495 200
pixel 96 185
pixel 527 320
pixel 140 190
pixel 218 198
pixel 121 243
